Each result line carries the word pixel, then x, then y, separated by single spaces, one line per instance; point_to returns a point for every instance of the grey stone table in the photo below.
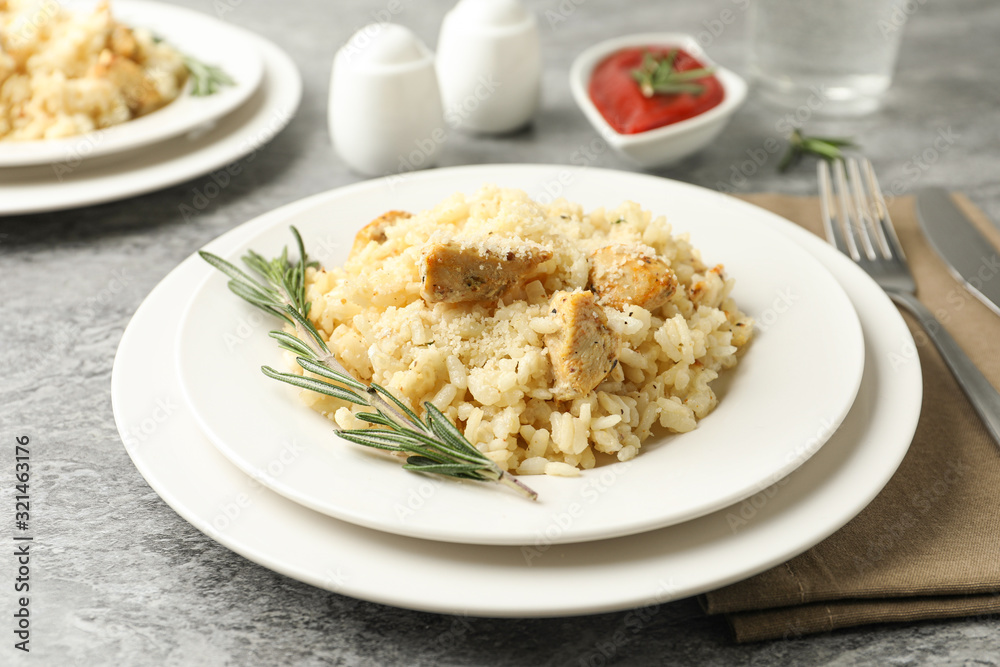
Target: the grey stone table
pixel 120 579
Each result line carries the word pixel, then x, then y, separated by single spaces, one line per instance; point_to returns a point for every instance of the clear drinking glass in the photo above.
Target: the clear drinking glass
pixel 837 56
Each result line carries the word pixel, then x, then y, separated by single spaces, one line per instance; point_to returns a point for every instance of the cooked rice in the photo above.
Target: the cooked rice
pixel 486 366
pixel 63 74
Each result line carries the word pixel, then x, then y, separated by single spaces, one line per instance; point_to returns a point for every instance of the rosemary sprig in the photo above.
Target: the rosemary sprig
pixel 827 148
pixel 206 79
pixel 658 76
pixel 433 444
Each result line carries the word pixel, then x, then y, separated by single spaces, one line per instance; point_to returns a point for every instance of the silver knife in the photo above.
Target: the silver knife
pixel 971 258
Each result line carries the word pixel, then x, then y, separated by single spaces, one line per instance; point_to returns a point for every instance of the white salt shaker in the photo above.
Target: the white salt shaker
pixel 489 65
pixel 385 110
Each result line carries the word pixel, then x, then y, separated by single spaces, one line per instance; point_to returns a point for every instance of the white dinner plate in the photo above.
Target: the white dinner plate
pixel 800 510
pixel 207 39
pixel 93 181
pixel 791 389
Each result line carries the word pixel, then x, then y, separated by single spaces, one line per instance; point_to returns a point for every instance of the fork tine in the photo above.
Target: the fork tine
pixel 834 233
pixel 886 232
pixel 862 211
pixel 844 217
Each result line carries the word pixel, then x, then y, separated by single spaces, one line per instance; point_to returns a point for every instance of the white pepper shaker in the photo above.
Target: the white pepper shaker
pixel 385 110
pixel 489 65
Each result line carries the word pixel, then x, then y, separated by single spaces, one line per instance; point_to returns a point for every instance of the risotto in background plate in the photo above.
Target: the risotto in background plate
pixel 556 338
pixel 63 73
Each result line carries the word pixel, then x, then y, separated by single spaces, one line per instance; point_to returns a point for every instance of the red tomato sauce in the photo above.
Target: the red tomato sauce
pixel 619 99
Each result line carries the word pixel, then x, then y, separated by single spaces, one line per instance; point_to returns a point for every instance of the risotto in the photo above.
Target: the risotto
pixel 63 74
pixel 555 338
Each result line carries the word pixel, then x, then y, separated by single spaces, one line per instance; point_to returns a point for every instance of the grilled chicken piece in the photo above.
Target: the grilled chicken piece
pixel 585 349
pixel 623 274
pixel 122 42
pixel 140 94
pixel 375 230
pixel 456 273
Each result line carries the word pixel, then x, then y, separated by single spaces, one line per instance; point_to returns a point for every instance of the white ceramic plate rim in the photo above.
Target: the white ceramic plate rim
pixel 734 87
pixel 109 178
pixel 671 563
pixel 772 420
pixel 228 48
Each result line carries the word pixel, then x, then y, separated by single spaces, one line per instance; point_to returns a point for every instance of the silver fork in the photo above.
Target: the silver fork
pixel 857 222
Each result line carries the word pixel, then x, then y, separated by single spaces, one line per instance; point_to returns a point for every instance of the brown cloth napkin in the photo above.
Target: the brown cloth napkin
pixel 929 545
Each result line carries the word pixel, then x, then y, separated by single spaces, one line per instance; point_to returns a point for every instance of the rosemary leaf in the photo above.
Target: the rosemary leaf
pixel 799 145
pixel 375 418
pixel 835 141
pixel 251 294
pixel 266 297
pixel 290 343
pixel 399 404
pixel 821 148
pixel 434 443
pixel 382 436
pixel 228 269
pixel 314 385
pixel 445 430
pixel 206 79
pixel 689 74
pixel 677 87
pixel 395 439
pixel 301 321
pixel 368 441
pixel 658 76
pixel 441 468
pixel 329 374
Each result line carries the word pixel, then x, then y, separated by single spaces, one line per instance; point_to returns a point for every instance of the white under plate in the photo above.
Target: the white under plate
pixel 792 387
pixel 207 39
pixel 112 177
pixel 682 560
